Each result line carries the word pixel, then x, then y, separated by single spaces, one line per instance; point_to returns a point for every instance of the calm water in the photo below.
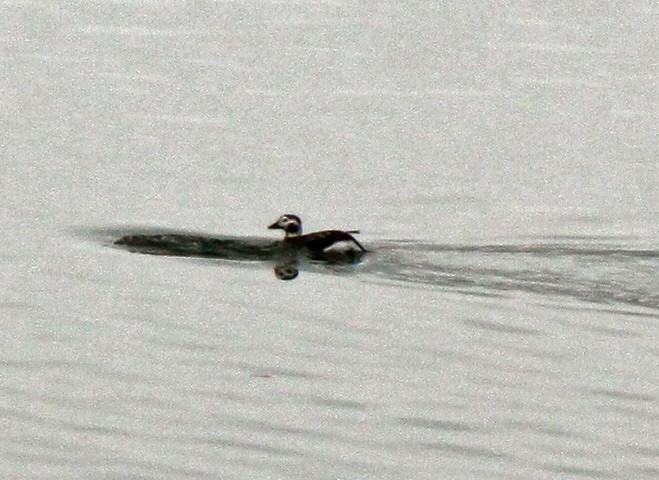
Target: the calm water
pixel 501 162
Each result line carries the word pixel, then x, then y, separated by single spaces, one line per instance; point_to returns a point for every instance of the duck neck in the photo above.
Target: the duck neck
pixel 293 230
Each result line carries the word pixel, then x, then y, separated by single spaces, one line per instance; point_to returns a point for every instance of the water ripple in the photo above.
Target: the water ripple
pixel 591 270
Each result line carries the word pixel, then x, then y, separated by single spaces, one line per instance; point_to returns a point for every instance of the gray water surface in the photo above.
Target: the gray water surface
pixel 500 161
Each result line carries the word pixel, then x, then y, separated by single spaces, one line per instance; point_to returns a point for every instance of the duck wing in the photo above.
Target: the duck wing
pixel 319 241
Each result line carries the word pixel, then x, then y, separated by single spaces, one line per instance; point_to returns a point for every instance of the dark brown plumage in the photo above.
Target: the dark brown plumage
pixel 317 241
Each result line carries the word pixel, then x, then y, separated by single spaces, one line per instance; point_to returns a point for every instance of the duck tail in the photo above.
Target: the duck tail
pixel 358 244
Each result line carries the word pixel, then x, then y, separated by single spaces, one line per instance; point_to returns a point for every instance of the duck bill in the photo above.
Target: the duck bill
pixel 274 226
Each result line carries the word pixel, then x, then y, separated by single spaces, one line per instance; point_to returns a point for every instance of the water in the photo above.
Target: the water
pixel 501 163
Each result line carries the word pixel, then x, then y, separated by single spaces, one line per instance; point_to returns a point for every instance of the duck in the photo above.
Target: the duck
pixel 316 242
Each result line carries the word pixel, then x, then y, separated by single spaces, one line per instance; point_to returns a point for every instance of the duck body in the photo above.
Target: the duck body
pixel 316 242
pixel 319 241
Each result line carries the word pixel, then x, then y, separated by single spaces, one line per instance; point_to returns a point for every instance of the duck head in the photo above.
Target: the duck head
pixel 290 224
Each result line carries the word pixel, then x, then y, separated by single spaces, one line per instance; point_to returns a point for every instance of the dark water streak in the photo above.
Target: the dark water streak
pixel 591 270
pixel 584 272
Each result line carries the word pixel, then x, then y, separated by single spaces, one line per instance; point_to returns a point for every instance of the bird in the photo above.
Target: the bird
pixel 316 241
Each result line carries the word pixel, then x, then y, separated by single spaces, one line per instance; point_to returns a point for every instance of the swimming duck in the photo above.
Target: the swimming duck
pixel 316 241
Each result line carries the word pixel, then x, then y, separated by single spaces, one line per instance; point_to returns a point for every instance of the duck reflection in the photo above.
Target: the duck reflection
pixel 288 268
pixel 286 271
